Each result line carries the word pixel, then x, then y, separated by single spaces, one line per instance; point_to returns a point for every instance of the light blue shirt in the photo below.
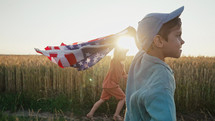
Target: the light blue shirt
pixel 150 90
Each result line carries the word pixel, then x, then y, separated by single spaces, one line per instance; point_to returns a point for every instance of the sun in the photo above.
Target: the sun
pixel 127 42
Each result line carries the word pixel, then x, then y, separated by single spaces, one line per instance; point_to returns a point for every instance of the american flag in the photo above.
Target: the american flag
pixel 82 55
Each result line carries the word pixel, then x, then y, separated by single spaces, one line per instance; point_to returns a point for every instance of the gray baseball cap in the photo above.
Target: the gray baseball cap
pixel 150 25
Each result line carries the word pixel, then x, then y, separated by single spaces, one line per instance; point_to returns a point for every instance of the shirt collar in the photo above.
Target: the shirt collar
pixel 156 60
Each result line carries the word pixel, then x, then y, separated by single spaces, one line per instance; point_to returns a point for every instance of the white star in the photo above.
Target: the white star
pixel 97 55
pixel 80 63
pixel 102 55
pixel 88 60
pixel 95 60
pixel 86 66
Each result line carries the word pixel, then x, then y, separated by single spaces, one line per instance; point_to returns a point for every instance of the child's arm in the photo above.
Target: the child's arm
pixel 161 106
pixel 124 74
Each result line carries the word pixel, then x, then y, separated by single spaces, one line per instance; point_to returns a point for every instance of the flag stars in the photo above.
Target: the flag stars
pixel 102 55
pixel 80 63
pixel 86 65
pixel 88 60
pixel 95 60
pixel 97 55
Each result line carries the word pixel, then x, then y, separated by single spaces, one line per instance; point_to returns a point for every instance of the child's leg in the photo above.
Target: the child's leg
pixel 94 108
pixel 104 96
pixel 119 107
pixel 118 94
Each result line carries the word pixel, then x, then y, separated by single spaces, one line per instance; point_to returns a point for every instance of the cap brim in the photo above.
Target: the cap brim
pixel 174 14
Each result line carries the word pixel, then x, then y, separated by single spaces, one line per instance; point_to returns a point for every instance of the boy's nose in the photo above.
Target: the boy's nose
pixel 182 42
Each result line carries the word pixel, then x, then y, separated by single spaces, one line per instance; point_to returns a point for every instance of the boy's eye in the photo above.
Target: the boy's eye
pixel 179 35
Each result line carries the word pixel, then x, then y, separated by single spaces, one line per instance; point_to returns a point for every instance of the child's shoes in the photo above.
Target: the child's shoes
pixel 117 118
pixel 90 117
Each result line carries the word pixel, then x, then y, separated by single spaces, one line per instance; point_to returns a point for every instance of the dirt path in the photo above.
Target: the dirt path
pixel 71 117
pixel 51 116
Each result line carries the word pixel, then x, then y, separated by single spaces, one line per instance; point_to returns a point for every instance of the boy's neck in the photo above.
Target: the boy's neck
pixel 157 54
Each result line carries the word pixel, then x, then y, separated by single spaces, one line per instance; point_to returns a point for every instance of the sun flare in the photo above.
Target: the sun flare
pixel 127 42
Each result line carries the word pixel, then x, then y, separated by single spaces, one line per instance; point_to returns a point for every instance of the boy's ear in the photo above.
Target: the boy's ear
pixel 158 41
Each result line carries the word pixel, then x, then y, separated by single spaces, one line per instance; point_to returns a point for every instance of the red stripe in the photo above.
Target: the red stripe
pixel 48 48
pixel 71 58
pixel 62 44
pixel 49 58
pixel 56 48
pixel 94 39
pixel 75 43
pixel 53 55
pixel 60 64
pixel 99 38
pixel 39 52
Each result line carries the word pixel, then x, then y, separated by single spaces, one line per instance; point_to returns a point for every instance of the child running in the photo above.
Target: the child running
pixel 151 83
pixel 110 84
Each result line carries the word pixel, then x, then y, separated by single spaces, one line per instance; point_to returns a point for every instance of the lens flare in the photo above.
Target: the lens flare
pixel 91 79
pixel 127 42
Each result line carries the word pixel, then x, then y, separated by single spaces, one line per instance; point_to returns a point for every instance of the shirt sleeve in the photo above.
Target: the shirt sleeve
pixel 161 106
pixel 126 116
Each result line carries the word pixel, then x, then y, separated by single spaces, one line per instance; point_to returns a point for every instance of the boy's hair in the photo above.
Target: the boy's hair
pixel 167 27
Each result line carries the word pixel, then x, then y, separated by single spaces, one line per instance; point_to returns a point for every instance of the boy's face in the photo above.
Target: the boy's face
pixel 172 47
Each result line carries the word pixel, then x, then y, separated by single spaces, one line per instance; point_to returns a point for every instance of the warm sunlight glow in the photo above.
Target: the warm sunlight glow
pixel 127 42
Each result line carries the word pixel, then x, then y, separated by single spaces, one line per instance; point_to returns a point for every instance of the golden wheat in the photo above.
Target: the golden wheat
pixel 195 78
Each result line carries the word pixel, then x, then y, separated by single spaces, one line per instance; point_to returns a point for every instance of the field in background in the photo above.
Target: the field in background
pixel 35 77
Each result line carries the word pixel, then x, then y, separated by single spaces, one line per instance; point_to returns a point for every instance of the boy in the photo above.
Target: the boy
pixel 151 84
pixel 110 84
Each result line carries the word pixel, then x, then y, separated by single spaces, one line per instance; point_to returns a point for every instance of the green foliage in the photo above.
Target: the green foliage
pixel 19 101
pixel 33 82
pixel 4 117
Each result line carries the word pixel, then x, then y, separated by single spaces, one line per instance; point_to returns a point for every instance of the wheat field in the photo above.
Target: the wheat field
pixel 195 79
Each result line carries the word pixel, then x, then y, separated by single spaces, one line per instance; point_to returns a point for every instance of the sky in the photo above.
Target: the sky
pixel 29 24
